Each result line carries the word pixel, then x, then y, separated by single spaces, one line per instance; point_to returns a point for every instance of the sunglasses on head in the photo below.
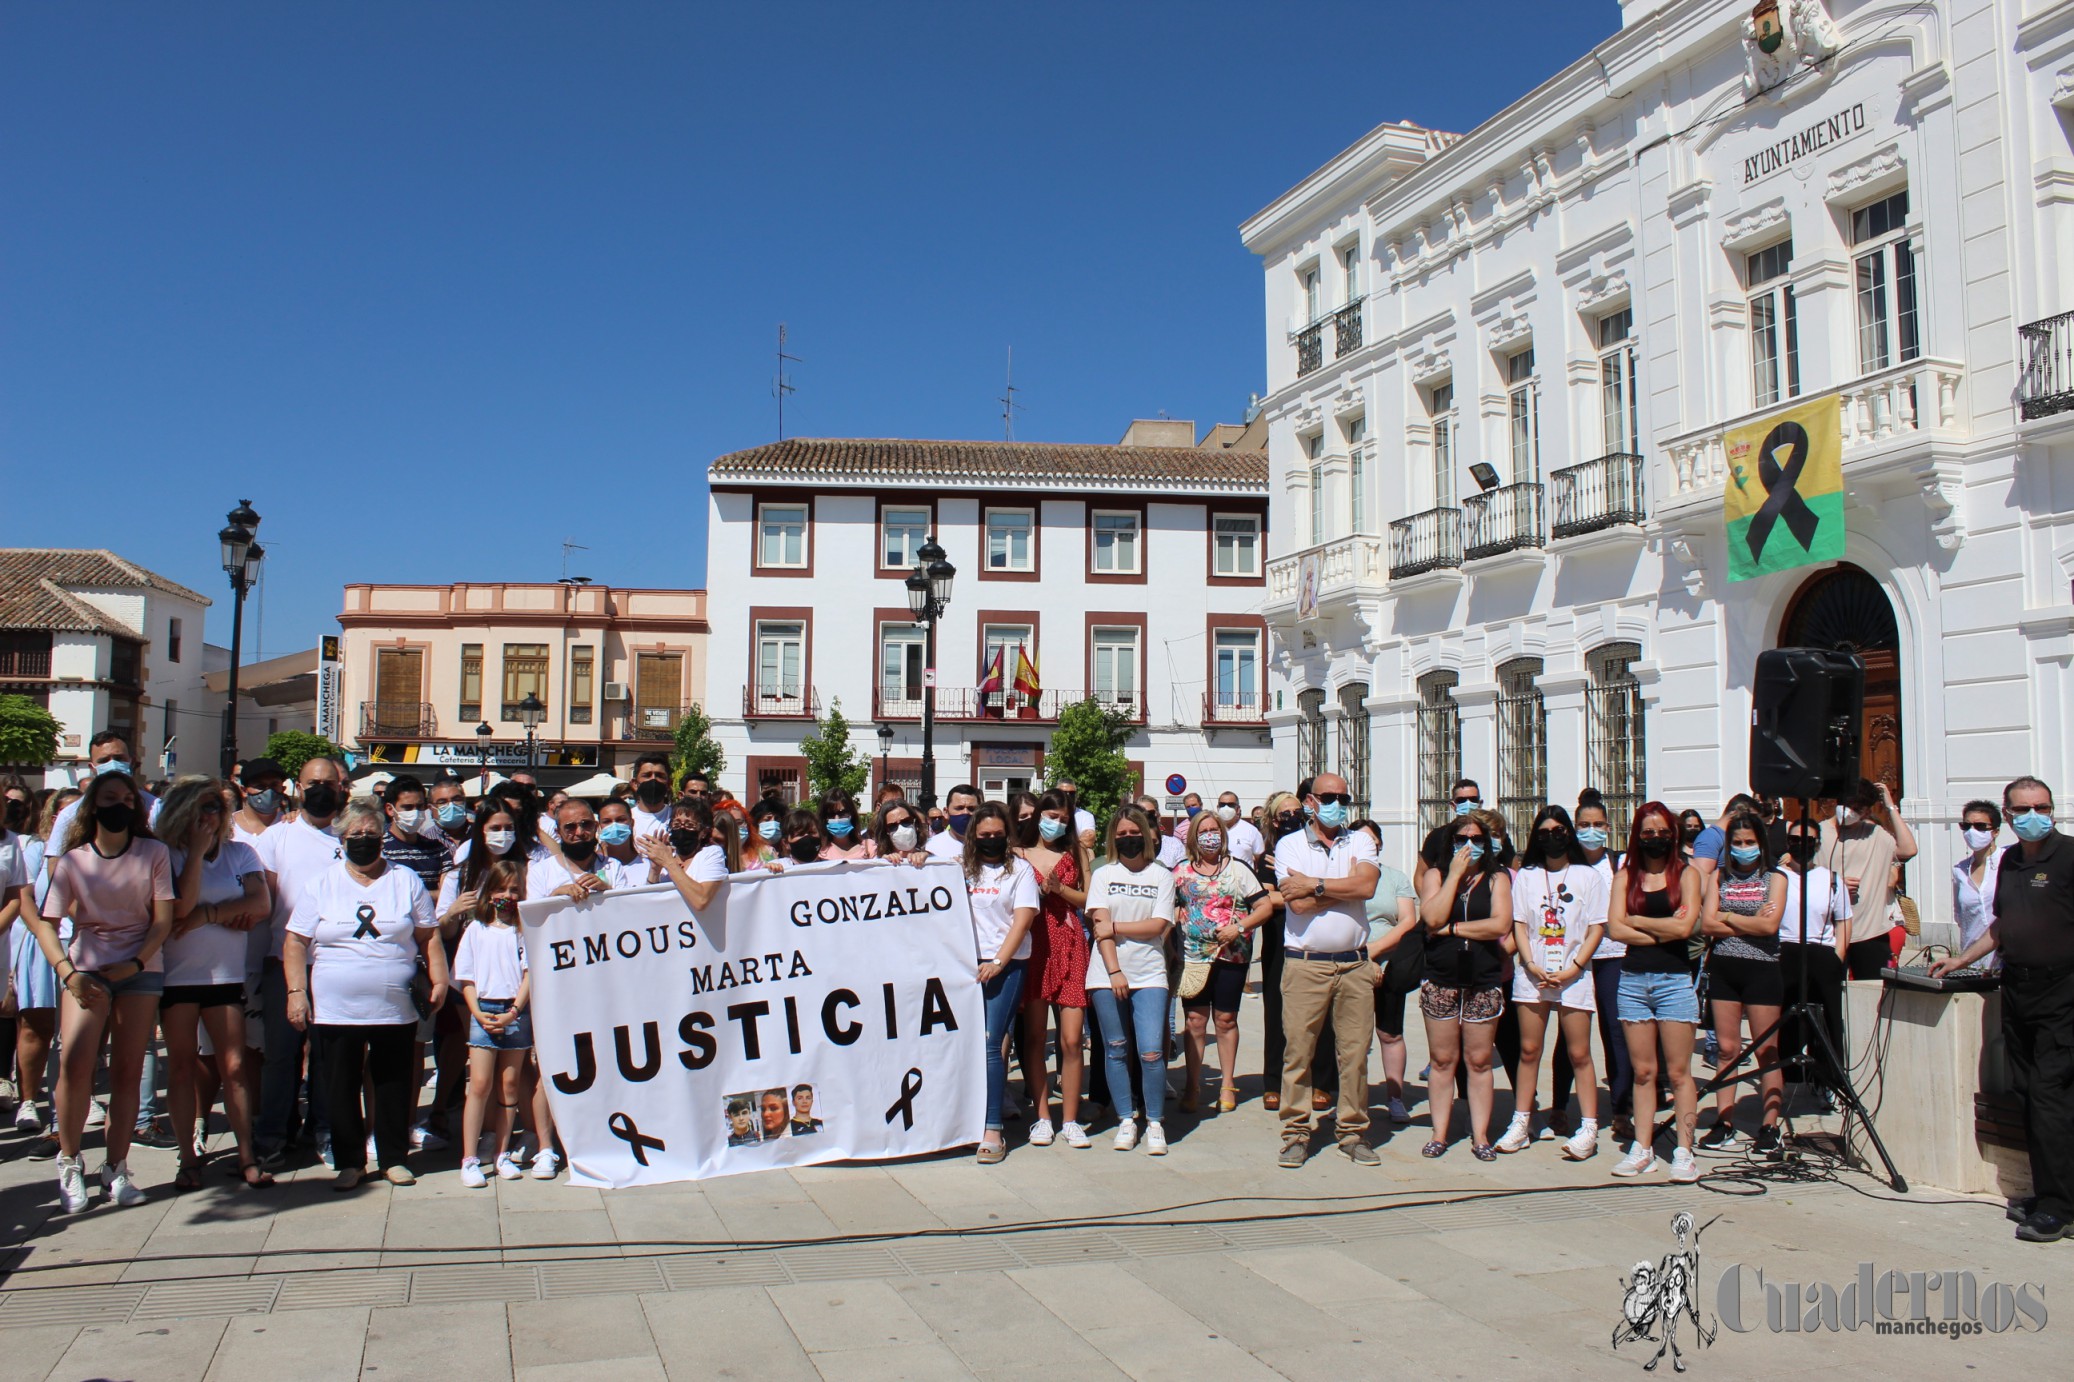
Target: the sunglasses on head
pixel 1333 798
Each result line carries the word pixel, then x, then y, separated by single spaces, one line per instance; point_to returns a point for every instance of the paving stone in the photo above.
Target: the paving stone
pixel 307 1345
pixel 154 1351
pixel 734 1332
pixel 462 1342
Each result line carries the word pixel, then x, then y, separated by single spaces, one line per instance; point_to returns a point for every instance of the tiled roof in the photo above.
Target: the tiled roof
pixel 33 592
pixel 865 461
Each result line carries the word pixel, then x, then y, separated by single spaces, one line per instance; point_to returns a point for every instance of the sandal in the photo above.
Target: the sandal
pixel 992 1153
pixel 1227 1101
pixel 189 1177
pixel 255 1177
pixel 1483 1151
pixel 1434 1149
pixel 1271 1101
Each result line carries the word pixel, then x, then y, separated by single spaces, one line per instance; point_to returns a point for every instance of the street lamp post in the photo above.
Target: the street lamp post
pixel 482 743
pixel 241 558
pixel 885 752
pixel 928 596
pixel 531 712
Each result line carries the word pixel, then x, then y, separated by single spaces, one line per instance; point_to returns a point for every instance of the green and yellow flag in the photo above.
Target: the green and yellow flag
pixel 1784 506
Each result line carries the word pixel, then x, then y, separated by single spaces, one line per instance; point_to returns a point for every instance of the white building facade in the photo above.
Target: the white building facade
pixel 1132 574
pixel 1502 366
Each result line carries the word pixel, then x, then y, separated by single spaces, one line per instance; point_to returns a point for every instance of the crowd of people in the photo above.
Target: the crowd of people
pixel 315 961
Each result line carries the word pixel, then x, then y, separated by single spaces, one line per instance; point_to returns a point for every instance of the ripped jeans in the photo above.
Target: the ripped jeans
pixel 1149 1019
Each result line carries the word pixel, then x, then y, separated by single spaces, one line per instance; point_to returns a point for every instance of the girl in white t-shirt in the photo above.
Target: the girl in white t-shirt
pixel 1004 906
pixel 1559 915
pixel 490 969
pixel 1130 906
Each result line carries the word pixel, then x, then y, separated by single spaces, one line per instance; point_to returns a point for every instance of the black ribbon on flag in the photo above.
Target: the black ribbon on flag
pixel 904 1107
pixel 1782 501
pixel 364 914
pixel 629 1132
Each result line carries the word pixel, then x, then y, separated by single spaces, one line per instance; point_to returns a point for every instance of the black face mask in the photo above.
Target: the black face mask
pixel 684 842
pixel 1026 832
pixel 653 794
pixel 114 816
pixel 1653 848
pixel 579 850
pixel 1287 822
pixel 321 799
pixel 806 851
pixel 1130 846
pixel 362 850
pixel 1555 844
pixel 1799 847
pixel 1689 833
pixel 993 848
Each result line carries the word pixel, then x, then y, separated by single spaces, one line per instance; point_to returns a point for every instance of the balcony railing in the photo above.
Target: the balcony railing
pixel 1502 520
pixel 1605 493
pixel 793 704
pixel 1346 330
pixel 1343 562
pixel 1428 541
pixel 24 662
pixel 1234 708
pixel 2048 381
pixel 397 720
pixel 1310 347
pixel 965 703
pixel 657 722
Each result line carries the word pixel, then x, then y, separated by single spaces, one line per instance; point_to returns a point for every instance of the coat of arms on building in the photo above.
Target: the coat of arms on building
pixel 1784 36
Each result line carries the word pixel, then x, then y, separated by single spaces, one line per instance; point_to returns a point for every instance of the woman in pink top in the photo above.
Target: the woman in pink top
pixel 116 883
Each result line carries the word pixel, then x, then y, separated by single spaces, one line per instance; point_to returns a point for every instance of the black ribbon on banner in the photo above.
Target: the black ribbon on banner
pixel 364 914
pixel 904 1107
pixel 1782 501
pixel 629 1132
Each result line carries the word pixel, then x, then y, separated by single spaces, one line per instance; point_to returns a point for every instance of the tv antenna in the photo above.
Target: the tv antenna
pixel 570 545
pixel 783 384
pixel 1009 407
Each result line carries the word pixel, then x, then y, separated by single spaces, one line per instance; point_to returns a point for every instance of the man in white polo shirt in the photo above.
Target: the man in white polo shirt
pixel 1241 840
pixel 960 802
pixel 1327 873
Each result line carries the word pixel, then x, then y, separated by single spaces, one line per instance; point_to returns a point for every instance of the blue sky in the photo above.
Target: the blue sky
pixel 439 285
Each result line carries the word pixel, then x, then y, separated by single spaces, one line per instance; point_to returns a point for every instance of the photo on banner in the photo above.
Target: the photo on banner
pixel 828 1013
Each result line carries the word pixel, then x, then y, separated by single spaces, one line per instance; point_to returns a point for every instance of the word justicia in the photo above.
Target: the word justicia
pixel 1949 1303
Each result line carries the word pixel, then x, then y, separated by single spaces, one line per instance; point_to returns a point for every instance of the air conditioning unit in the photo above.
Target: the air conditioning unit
pixel 617 691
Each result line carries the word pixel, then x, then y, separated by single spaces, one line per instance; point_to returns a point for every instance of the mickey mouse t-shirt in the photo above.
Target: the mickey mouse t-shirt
pixel 363 945
pixel 1558 907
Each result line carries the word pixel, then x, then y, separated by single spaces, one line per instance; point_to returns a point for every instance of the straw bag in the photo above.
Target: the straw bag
pixel 1195 974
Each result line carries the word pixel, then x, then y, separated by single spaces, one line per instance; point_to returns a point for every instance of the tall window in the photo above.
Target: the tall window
pixel 1116 543
pixel 1357 470
pixel 1774 326
pixel 1888 326
pixel 1619 408
pixel 1350 270
pixel 1440 748
pixel 1314 454
pixel 781 655
pixel 172 640
pixel 902 533
pixel 1522 742
pixel 471 681
pixel 1443 397
pixel 399 685
pixel 1615 741
pixel 1310 733
pixel 1009 539
pixel 1116 668
pixel 782 535
pixel 1004 640
pixel 658 691
pixel 125 662
pixel 1353 743
pixel 1310 294
pixel 525 673
pixel 1237 540
pixel 1525 401
pixel 901 649
pixel 1238 672
pixel 172 722
pixel 583 671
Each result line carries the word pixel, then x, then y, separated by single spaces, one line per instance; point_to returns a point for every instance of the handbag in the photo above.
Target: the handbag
pixel 1903 912
pixel 421 993
pixel 1195 975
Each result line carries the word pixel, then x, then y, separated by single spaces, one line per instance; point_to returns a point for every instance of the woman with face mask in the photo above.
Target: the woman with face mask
pixel 1219 904
pixel 1654 911
pixel 1283 814
pixel 1130 907
pixel 896 833
pixel 1744 903
pixel 1467 911
pixel 1594 834
pixel 763 850
pixel 699 852
pixel 616 833
pixel 1973 876
pixel 36 984
pixel 1004 907
pixel 840 827
pixel 1055 979
pixel 1559 915
pixel 800 840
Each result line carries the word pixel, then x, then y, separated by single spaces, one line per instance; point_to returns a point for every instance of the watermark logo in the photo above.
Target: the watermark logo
pixel 1948 1304
pixel 1663 1296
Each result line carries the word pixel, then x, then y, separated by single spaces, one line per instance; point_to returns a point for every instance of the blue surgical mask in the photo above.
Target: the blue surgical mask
pixel 1745 855
pixel 1332 815
pixel 1476 849
pixel 1463 808
pixel 961 821
pixel 616 833
pixel 2031 826
pixel 743 831
pixel 268 803
pixel 769 828
pixel 1050 827
pixel 1194 811
pixel 841 826
pixel 1591 836
pixel 451 816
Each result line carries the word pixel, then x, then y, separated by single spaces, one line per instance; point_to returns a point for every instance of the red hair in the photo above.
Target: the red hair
pixel 1674 865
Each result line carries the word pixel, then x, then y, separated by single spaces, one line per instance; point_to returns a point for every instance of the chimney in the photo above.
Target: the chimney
pixel 1159 431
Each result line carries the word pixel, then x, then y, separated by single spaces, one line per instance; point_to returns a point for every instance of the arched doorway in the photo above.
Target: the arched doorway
pixel 1844 608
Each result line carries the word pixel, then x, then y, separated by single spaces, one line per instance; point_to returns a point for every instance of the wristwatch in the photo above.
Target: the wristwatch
pixel 1319 891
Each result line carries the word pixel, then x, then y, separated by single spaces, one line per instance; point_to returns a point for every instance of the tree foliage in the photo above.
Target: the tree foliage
pixel 292 748
pixel 1087 749
pixel 697 752
pixel 831 762
pixel 28 733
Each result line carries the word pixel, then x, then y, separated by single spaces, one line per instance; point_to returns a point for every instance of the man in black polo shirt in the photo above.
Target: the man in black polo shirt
pixel 2034 930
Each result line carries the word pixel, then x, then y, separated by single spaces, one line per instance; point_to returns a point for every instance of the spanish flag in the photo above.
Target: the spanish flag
pixel 1026 674
pixel 1784 503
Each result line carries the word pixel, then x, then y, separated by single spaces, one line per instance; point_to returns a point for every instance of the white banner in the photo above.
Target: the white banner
pixel 829 1013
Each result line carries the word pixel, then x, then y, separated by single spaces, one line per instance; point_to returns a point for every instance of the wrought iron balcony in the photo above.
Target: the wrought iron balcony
pixel 1310 348
pixel 780 703
pixel 970 703
pixel 1346 330
pixel 2048 379
pixel 1502 520
pixel 1600 494
pixel 1234 708
pixel 397 720
pixel 1429 541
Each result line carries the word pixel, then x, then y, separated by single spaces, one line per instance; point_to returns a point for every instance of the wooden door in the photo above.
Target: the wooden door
pixel 399 687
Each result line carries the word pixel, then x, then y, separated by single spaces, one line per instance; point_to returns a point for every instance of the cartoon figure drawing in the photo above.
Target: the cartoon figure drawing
pixel 1658 1296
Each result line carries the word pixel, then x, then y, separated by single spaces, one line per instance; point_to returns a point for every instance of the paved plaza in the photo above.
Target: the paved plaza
pixel 1211 1263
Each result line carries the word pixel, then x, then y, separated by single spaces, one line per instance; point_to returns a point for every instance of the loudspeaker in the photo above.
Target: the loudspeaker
pixel 1806 716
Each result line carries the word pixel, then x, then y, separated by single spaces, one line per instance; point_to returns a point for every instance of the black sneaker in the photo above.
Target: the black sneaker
pixel 1767 1142
pixel 1719 1138
pixel 2020 1210
pixel 152 1135
pixel 2042 1227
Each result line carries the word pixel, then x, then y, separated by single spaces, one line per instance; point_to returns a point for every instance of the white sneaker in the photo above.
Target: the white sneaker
pixel 72 1184
pixel 1547 1133
pixel 96 1115
pixel 1584 1143
pixel 524 1149
pixel 1041 1133
pixel 423 1139
pixel 1518 1134
pixel 546 1164
pixel 1685 1167
pixel 1076 1136
pixel 1127 1135
pixel 508 1169
pixel 1399 1114
pixel 1638 1160
pixel 1155 1140
pixel 122 1190
pixel 472 1177
pixel 374 1158
pixel 25 1119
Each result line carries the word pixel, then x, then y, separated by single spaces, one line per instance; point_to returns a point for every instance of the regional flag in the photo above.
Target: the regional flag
pixel 1784 505
pixel 991 683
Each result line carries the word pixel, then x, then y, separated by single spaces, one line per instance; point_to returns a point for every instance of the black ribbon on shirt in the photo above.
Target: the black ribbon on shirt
pixel 364 914
pixel 904 1106
pixel 629 1132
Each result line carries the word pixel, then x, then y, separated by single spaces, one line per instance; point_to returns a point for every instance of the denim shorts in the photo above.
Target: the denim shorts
pixel 517 1037
pixel 1651 997
pixel 149 983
